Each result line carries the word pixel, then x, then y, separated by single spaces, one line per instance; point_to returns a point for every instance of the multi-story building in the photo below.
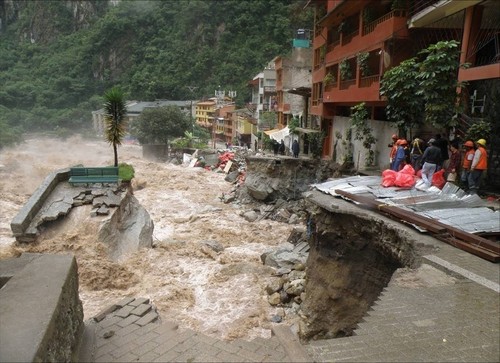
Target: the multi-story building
pixel 245 127
pixel 263 87
pixel 292 71
pixel 205 112
pixel 224 130
pixel 355 41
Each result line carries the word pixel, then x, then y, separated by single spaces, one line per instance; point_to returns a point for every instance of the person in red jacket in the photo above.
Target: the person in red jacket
pixel 394 148
pixel 467 162
pixel 454 163
pixel 478 166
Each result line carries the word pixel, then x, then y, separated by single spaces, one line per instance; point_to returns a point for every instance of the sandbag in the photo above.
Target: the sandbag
pixel 408 169
pixel 404 180
pixel 438 179
pixel 388 178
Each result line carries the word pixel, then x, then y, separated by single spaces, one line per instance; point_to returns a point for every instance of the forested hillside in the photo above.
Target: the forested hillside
pixel 57 58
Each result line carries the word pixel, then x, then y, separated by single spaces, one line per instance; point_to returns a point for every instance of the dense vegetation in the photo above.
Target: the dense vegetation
pixel 57 58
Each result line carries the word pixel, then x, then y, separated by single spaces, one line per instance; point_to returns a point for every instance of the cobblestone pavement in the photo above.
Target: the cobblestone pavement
pixel 130 331
pixel 456 322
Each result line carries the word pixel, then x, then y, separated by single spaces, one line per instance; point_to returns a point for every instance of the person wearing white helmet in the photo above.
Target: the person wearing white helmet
pixel 478 166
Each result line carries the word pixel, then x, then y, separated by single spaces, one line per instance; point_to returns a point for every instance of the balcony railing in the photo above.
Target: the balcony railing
pixel 346 39
pixel 368 81
pixel 332 45
pixel 331 86
pixel 348 83
pixel 371 26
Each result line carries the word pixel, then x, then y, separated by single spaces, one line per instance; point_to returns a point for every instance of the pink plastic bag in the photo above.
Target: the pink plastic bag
pixel 408 169
pixel 438 179
pixel 388 178
pixel 404 180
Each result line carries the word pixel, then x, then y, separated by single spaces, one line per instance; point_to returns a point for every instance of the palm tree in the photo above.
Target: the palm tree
pixel 114 116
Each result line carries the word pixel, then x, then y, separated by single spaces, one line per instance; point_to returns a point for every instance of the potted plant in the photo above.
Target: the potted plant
pixel 329 79
pixel 345 70
pixel 362 59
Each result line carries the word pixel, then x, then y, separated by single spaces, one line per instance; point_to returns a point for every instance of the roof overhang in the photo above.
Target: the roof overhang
pixel 301 91
pixel 438 11
pixel 306 131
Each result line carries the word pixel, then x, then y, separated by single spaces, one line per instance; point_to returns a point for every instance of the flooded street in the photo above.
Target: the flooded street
pixel 218 293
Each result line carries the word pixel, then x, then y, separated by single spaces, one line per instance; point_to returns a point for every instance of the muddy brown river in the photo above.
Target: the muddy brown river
pixel 220 294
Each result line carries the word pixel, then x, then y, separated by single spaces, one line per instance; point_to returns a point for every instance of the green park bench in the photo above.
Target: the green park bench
pixel 81 175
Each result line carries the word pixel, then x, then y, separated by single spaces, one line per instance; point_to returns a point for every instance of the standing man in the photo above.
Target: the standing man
pixel 394 148
pixel 454 164
pixel 400 156
pixel 442 144
pixel 431 159
pixel 467 162
pixel 416 152
pixel 295 148
pixel 479 164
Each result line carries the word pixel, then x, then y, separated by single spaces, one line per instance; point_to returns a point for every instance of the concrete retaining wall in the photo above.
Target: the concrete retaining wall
pixel 22 220
pixel 41 315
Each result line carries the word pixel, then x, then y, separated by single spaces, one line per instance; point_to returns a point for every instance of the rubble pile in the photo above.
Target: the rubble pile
pixel 287 288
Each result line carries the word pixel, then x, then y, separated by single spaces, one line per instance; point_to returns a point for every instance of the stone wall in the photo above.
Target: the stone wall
pixel 41 313
pixel 269 179
pixel 23 219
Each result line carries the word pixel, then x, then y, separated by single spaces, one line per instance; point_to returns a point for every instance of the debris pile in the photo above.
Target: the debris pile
pixel 287 288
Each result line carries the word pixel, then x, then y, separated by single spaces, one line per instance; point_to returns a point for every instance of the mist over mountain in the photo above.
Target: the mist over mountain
pixel 57 57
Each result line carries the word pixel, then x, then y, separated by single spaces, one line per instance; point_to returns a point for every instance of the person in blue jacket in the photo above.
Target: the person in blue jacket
pixel 400 155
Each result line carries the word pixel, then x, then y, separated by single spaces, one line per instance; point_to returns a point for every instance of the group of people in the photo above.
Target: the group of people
pixel 279 147
pixel 438 154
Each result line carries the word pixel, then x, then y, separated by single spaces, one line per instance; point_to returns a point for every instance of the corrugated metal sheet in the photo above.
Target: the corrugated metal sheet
pixel 451 205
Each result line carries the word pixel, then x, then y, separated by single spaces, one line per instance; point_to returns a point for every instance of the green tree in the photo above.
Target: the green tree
pixel 363 132
pixel 400 87
pixel 160 124
pixel 293 124
pixel 438 83
pixel 114 116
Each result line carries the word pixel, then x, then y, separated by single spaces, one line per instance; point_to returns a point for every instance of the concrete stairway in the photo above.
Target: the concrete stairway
pixel 441 323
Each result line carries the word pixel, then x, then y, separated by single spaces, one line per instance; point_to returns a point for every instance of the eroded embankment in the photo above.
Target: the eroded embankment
pixel 352 258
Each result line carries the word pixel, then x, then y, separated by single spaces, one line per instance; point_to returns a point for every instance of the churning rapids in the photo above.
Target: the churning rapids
pixel 219 294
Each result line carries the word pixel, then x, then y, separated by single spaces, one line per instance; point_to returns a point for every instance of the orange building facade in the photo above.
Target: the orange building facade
pixel 355 41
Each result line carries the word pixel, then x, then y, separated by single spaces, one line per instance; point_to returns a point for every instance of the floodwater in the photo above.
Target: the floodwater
pixel 220 294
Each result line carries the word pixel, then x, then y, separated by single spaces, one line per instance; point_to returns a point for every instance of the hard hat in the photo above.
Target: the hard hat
pixel 469 143
pixel 481 142
pixel 431 141
pixel 394 136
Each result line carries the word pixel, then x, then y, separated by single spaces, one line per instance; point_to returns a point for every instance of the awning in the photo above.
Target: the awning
pixel 280 134
pixel 270 132
pixel 306 131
